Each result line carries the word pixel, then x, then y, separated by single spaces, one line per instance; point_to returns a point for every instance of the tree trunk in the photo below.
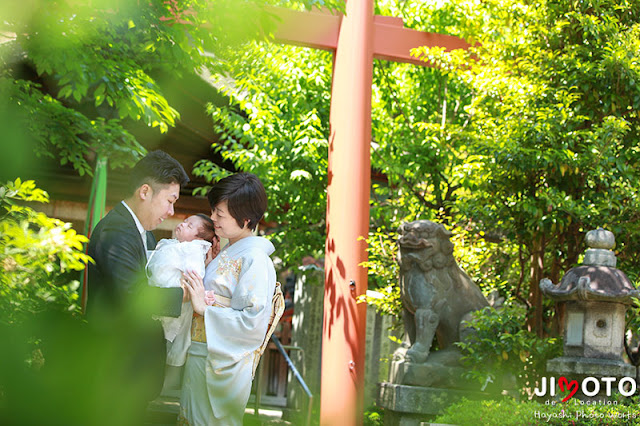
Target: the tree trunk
pixel 556 323
pixel 534 320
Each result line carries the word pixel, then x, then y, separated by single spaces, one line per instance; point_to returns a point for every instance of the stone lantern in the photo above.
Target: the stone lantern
pixel 596 295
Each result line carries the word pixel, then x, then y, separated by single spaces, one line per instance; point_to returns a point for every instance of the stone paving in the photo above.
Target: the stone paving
pixel 164 412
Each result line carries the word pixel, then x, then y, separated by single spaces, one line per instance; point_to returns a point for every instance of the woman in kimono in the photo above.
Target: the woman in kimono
pixel 228 331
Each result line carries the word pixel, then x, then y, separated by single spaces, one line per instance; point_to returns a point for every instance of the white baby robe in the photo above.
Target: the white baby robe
pixel 164 269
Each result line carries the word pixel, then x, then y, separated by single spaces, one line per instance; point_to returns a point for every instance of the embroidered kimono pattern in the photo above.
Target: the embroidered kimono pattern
pixel 222 346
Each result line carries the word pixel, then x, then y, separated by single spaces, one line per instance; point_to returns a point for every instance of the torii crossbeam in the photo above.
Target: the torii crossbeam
pixel 356 39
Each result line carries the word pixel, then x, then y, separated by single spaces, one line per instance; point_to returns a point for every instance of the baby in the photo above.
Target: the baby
pixel 186 252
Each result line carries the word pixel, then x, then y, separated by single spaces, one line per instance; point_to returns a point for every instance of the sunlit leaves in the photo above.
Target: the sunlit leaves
pixel 498 347
pixel 558 112
pixel 276 126
pixel 383 272
pixel 37 256
pixel 541 144
pixel 96 64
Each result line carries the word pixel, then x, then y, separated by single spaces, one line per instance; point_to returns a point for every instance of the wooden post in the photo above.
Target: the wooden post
pixel 356 39
pixel 344 326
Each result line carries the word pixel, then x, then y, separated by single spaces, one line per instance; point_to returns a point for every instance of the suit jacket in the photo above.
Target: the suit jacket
pixel 118 274
pixel 120 301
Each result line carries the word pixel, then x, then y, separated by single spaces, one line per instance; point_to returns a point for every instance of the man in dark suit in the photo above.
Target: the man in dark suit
pixel 119 301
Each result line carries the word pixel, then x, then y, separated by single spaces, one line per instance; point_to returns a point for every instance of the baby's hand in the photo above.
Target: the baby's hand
pixel 185 294
pixel 209 297
pixel 213 250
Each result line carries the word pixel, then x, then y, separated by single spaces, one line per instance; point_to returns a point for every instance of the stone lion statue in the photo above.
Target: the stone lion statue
pixel 437 294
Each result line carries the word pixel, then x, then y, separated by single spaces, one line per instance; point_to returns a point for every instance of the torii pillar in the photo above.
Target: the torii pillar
pixel 356 39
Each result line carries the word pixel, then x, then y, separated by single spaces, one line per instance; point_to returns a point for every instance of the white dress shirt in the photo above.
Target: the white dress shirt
pixel 143 232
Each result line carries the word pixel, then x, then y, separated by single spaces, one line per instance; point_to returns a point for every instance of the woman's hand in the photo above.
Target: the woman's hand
pixel 192 282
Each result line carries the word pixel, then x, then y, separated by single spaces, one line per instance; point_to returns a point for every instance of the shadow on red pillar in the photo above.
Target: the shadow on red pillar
pixel 343 343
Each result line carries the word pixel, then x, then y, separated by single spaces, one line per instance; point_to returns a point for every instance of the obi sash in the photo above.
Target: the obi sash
pixel 198 333
pixel 197 323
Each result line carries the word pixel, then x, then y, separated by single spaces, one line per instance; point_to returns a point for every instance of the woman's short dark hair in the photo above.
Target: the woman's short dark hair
pixel 245 196
pixel 157 167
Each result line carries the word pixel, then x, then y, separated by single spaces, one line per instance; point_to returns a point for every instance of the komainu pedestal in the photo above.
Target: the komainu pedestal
pixel 414 405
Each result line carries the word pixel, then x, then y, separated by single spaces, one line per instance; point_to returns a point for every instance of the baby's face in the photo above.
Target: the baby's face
pixel 188 230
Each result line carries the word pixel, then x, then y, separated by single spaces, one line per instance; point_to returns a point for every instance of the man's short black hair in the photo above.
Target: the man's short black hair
pixel 157 167
pixel 245 196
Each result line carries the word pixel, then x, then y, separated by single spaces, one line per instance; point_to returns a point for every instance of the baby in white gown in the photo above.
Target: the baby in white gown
pixel 186 252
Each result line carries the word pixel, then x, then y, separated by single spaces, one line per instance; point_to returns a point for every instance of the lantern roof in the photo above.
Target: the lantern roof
pixel 597 278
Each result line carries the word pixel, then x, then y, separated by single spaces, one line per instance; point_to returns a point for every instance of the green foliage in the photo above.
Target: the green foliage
pixel 383 273
pixel 373 416
pixel 276 126
pixel 421 143
pixel 79 74
pixel 491 267
pixel 552 122
pixel 66 133
pixel 72 370
pixel 388 302
pixel 633 324
pixel 37 254
pixel 382 264
pixel 526 140
pixel 92 64
pixel 510 412
pixel 499 347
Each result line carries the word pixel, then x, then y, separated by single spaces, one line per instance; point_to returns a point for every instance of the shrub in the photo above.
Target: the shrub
pixel 57 368
pixel 38 256
pixel 500 346
pixel 373 416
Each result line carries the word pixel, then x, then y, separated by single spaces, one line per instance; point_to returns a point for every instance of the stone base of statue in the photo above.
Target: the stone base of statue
pixel 441 370
pixel 413 405
pixel 418 392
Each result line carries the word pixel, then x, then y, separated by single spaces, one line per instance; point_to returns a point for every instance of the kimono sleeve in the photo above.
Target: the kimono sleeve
pixel 234 333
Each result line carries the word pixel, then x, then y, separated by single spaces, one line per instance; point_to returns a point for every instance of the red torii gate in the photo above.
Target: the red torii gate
pixel 356 39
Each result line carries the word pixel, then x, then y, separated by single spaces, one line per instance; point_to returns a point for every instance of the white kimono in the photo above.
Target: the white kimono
pixel 164 269
pixel 225 343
